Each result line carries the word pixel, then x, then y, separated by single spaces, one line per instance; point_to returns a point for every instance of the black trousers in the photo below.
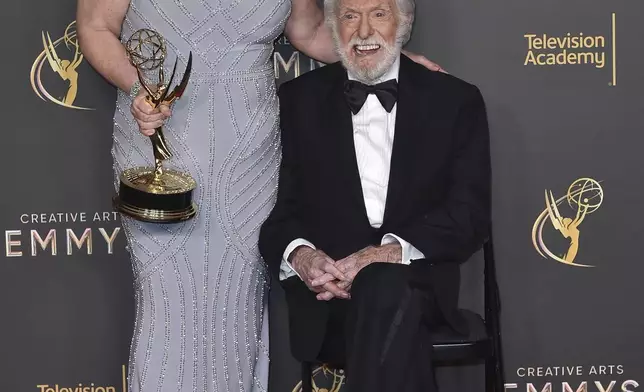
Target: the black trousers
pixel 382 334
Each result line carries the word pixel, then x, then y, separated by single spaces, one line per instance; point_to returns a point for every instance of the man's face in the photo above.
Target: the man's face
pixel 367 35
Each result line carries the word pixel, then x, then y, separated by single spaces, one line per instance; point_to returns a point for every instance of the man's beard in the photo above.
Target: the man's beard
pixel 368 74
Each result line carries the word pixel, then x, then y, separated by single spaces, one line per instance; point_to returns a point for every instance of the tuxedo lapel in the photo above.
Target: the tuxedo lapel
pixel 411 120
pixel 343 158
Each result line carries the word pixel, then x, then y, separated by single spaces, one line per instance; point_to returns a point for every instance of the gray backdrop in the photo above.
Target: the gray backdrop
pixel 562 108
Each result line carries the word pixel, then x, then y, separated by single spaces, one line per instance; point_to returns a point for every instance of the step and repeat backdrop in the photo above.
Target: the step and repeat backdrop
pixel 564 86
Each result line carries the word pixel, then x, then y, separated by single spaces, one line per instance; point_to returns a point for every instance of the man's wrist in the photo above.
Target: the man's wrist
pixel 393 252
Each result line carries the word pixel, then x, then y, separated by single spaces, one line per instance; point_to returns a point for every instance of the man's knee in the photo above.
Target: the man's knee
pixel 380 284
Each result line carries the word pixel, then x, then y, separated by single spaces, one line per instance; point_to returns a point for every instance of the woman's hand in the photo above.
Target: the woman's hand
pixel 420 59
pixel 148 117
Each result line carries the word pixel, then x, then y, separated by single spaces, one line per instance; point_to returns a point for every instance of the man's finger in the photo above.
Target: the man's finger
pixel 335 290
pixel 316 290
pixel 333 270
pixel 325 296
pixel 345 285
pixel 322 280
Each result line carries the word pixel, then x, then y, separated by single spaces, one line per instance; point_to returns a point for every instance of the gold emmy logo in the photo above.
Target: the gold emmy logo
pixel 62 62
pixel 325 375
pixel 584 196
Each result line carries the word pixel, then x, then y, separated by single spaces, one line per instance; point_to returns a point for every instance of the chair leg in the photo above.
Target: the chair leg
pixel 494 381
pixel 499 378
pixel 306 377
pixel 490 375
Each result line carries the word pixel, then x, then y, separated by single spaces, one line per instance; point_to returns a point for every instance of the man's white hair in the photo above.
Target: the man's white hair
pixel 406 11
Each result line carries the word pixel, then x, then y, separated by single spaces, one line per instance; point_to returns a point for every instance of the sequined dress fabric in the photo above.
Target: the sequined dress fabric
pixel 201 286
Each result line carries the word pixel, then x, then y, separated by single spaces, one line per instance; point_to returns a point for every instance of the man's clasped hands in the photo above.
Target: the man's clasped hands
pixel 333 279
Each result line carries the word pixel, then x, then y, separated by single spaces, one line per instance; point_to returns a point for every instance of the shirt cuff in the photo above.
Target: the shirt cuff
pixel 409 252
pixel 286 269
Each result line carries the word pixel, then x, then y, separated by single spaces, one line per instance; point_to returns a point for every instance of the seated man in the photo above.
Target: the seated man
pixel 384 190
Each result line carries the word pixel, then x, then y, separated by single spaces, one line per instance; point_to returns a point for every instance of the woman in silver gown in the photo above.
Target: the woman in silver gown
pixel 201 285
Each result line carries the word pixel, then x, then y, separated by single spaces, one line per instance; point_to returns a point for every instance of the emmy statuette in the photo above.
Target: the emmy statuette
pixel 156 194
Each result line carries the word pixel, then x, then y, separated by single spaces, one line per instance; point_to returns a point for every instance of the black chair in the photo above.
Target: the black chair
pixel 482 344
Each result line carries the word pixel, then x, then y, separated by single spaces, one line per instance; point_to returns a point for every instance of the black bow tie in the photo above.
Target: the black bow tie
pixel 356 94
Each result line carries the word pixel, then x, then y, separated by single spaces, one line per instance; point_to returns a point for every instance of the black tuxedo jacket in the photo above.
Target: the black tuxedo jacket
pixel 439 187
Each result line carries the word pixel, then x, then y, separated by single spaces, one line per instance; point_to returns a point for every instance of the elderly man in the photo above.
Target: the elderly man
pixel 384 190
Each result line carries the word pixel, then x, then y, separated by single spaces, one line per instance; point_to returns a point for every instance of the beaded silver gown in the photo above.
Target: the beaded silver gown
pixel 201 286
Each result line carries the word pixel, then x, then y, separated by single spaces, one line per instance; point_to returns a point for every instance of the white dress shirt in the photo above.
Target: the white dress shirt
pixel 373 135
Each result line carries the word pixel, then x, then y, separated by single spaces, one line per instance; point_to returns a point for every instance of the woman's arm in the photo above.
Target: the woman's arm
pixel 308 33
pixel 99 27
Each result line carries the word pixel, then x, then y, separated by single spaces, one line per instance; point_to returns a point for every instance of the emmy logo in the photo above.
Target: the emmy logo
pixel 63 62
pixel 324 375
pixel 584 196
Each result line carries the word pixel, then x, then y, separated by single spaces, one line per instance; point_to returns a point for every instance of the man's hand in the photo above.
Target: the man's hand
pixel 311 264
pixel 351 265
